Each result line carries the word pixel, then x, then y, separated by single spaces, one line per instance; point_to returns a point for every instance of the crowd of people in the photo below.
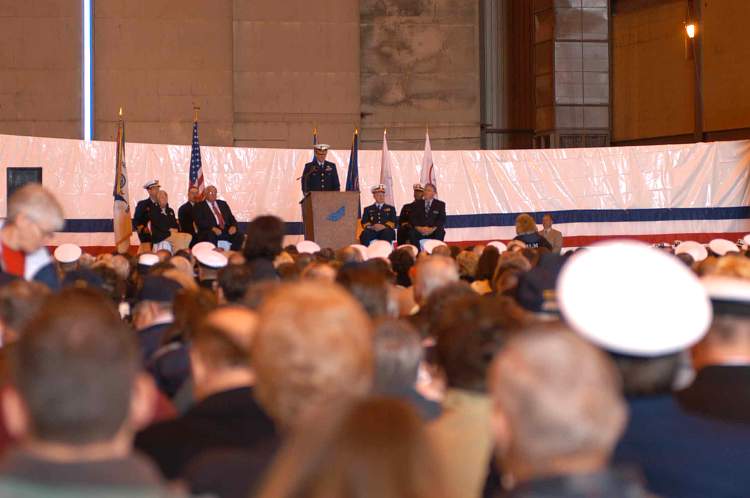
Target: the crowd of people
pixel 498 370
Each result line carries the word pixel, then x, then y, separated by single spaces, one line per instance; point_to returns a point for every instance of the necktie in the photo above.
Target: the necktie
pixel 219 217
pixel 427 208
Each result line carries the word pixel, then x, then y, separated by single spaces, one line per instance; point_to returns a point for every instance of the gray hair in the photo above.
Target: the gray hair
pixel 38 204
pixel 432 273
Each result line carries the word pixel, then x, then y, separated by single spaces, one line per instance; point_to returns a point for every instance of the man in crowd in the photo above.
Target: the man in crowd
pixel 142 214
pixel 185 214
pixel 379 219
pixel 19 302
pixel 557 414
pixel 216 222
pixel 76 400
pixel 404 218
pixel 427 217
pixel 319 174
pixel 153 315
pixel 721 388
pixel 431 274
pixel 554 237
pixel 226 414
pixel 33 216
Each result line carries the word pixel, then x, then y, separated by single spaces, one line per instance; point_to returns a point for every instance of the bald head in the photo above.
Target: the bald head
pixel 432 273
pixel 238 323
pixel 551 382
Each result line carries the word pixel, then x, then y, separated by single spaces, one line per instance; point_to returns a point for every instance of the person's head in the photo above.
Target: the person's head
pixel 155 299
pixel 379 195
pixel 430 191
pixel 348 254
pixel 467 262
pixel 418 192
pixel 220 350
pixel 153 190
pixel 401 262
pixel 471 330
pixel 314 344
pixel 372 447
pixel 431 273
pixel 265 235
pixel 557 406
pixel 319 272
pixel 193 194
pixel 75 376
pixel 34 214
pixel 321 153
pixel 487 263
pixel 727 342
pixel 547 221
pixel 525 224
pixel 20 300
pixel 647 375
pixel 162 198
pixel 234 281
pixel 368 286
pixel 211 193
pixel 398 352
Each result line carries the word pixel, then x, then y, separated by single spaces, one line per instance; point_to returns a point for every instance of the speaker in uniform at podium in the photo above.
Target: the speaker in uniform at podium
pixel 320 175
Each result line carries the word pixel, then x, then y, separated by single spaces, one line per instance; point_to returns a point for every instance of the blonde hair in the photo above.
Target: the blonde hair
pixel 314 344
pixel 525 224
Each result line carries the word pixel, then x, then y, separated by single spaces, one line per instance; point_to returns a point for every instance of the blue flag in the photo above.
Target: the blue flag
pixel 352 175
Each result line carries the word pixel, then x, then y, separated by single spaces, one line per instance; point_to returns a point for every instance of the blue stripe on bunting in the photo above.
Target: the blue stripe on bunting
pixel 509 219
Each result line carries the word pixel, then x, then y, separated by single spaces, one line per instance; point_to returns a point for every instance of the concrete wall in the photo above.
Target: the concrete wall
pixel 420 67
pixel 155 58
pixel 296 66
pixel 40 68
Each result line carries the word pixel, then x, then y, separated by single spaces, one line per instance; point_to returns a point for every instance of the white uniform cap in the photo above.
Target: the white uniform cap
pixel 322 147
pixel 202 246
pixel 307 246
pixel 362 250
pixel 696 250
pixel 723 246
pixel 67 253
pixel 501 248
pixel 746 240
pixel 379 249
pixel 723 288
pixel 629 298
pixel 151 183
pixel 212 259
pixel 413 249
pixel 148 259
pixel 429 245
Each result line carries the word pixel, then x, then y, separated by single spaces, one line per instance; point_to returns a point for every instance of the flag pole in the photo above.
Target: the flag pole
pixel 196 109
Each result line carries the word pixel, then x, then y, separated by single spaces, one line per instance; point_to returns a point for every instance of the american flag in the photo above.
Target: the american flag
pixel 196 167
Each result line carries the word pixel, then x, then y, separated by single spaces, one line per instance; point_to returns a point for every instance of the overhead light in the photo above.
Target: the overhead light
pixel 690 29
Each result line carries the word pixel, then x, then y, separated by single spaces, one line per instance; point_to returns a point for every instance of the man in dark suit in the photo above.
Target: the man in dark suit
pixel 404 223
pixel 320 175
pixel 721 388
pixel 185 214
pixel 379 219
pixel 427 217
pixel 142 215
pixel 226 414
pixel 216 222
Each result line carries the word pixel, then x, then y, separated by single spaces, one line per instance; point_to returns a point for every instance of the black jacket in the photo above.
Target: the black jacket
pixel 719 392
pixel 435 218
pixel 186 218
pixel 533 240
pixel 205 219
pixel 317 178
pixel 229 419
pixel 386 215
pixel 161 222
pixel 142 217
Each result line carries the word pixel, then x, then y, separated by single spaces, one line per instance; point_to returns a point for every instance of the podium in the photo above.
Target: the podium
pixel 330 218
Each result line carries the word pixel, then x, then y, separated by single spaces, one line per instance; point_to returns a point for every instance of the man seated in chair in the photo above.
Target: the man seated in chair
pixel 216 222
pixel 427 217
pixel 379 219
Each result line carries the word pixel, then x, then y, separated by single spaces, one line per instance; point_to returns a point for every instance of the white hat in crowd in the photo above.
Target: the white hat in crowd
pixel 632 299
pixel 202 246
pixel 379 249
pixel 211 259
pixel 722 247
pixel 501 248
pixel 362 250
pixel 67 253
pixel 148 259
pixel 307 246
pixel 695 249
pixel 429 245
